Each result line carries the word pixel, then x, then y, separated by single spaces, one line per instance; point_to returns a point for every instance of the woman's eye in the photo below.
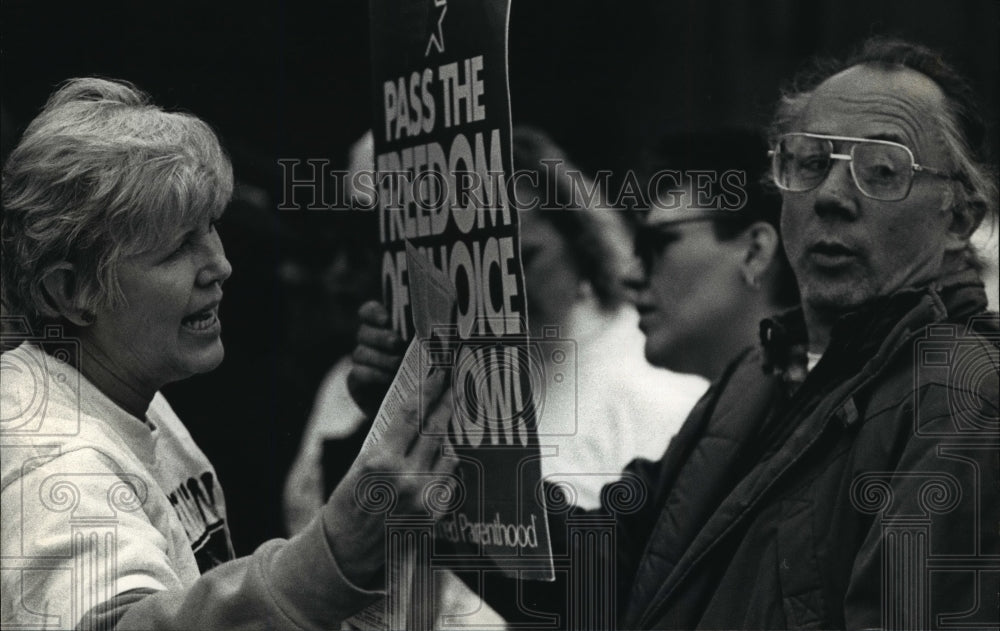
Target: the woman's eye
pixel 192 237
pixel 181 247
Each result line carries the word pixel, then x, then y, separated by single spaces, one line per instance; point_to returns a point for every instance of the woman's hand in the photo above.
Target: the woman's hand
pixel 396 474
pixel 376 358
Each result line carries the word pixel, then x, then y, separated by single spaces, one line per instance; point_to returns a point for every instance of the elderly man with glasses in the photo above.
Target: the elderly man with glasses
pixel 845 475
pixel 860 491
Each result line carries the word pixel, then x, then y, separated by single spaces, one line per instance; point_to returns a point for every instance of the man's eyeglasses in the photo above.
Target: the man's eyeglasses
pixel 881 169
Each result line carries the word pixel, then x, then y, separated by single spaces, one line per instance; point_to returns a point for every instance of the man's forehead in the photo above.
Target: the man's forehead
pixel 872 101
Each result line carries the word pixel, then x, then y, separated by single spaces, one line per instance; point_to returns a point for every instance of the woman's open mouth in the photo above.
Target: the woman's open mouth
pixel 202 321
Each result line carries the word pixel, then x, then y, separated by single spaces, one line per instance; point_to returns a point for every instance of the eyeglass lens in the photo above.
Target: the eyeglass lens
pixel 650 243
pixel 880 170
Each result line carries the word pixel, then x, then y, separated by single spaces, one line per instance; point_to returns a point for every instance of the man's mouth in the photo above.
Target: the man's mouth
pixel 831 253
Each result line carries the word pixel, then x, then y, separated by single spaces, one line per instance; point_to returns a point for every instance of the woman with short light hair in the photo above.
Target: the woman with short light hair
pixel 112 515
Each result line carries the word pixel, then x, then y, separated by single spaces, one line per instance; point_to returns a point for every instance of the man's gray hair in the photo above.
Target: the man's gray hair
pixel 101 174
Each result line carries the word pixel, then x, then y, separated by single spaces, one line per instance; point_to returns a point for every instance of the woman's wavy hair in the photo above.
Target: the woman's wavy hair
pixel 100 174
pixel 597 238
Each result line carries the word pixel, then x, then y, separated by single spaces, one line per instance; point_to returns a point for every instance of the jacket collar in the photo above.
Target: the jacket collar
pixel 863 331
pixel 893 319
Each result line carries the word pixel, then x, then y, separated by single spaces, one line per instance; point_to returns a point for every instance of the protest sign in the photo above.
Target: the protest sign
pixel 443 154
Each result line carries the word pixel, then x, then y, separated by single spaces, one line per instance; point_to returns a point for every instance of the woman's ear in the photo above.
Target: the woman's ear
pixel 60 288
pixel 762 242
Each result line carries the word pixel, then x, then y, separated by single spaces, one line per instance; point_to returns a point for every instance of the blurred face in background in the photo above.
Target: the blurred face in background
pixel 692 288
pixel 323 288
pixel 552 283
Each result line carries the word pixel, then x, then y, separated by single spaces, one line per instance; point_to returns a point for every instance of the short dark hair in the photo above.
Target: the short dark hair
pixel 719 151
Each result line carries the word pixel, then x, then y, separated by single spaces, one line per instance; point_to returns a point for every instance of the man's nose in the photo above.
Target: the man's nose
pixel 837 194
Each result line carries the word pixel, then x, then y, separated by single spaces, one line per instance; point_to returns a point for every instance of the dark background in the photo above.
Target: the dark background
pixel 290 80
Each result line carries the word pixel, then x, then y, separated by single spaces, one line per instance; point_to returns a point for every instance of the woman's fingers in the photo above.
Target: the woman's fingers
pixel 434 388
pixel 382 339
pixel 375 331
pixel 372 357
pixel 374 313
pixel 424 408
pixel 376 358
pixel 367 386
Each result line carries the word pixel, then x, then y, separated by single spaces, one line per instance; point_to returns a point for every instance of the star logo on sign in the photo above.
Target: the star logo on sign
pixel 437 39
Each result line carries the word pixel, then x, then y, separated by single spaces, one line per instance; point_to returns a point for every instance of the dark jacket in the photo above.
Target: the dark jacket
pixel 864 495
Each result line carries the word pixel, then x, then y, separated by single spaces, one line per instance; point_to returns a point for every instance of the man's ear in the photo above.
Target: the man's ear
pixel 964 219
pixel 61 289
pixel 762 242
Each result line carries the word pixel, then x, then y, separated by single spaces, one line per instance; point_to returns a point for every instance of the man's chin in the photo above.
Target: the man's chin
pixel 836 300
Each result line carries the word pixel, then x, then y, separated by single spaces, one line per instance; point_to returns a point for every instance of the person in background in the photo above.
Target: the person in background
pixel 112 514
pixel 575 255
pixel 336 427
pixel 710 264
pixel 986 241
pixel 701 272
